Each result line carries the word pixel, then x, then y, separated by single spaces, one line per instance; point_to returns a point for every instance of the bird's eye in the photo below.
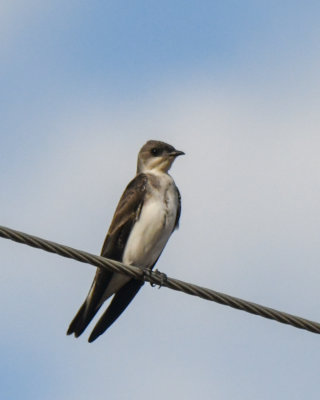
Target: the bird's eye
pixel 155 152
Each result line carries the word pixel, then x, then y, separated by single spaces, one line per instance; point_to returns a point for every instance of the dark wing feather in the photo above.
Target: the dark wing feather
pixel 91 304
pixel 176 225
pixel 118 304
pixel 127 212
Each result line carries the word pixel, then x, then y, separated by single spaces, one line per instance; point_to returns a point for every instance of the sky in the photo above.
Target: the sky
pixel 235 85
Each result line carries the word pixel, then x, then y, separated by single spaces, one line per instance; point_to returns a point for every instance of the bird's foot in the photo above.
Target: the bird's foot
pixel 163 277
pixel 147 274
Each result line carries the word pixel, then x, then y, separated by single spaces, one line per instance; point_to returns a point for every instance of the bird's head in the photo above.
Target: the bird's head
pixel 156 156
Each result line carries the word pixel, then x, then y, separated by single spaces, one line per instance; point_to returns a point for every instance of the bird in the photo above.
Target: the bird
pixel 147 214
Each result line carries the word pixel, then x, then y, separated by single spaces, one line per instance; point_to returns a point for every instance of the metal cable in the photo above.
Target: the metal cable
pixel 157 278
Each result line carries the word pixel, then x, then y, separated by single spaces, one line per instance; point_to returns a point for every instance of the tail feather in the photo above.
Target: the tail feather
pixel 76 322
pixel 82 319
pixel 91 305
pixel 118 304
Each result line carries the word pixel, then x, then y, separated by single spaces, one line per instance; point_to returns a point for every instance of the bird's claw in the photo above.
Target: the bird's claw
pixel 163 277
pixel 147 273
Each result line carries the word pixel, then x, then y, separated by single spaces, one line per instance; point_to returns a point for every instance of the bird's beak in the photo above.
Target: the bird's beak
pixel 177 153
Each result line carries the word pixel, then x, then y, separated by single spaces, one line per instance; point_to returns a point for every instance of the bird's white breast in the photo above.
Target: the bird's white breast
pixel 155 224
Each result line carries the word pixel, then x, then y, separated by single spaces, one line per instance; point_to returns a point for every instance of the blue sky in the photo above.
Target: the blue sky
pixel 233 84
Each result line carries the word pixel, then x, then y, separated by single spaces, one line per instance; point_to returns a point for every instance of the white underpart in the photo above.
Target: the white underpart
pixel 151 232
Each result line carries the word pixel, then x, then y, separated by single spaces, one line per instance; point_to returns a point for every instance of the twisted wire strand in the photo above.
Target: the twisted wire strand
pixel 157 278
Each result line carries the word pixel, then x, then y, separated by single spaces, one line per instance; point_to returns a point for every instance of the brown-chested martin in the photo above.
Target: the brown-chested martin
pixel 147 214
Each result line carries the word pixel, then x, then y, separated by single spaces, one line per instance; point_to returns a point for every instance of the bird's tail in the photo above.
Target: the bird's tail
pixel 119 303
pixel 91 304
pixel 80 321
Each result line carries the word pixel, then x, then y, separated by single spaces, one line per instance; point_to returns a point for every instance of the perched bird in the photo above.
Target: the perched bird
pixel 147 214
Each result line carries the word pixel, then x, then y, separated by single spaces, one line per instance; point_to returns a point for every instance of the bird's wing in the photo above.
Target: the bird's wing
pixel 176 224
pixel 118 304
pixel 125 295
pixel 126 214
